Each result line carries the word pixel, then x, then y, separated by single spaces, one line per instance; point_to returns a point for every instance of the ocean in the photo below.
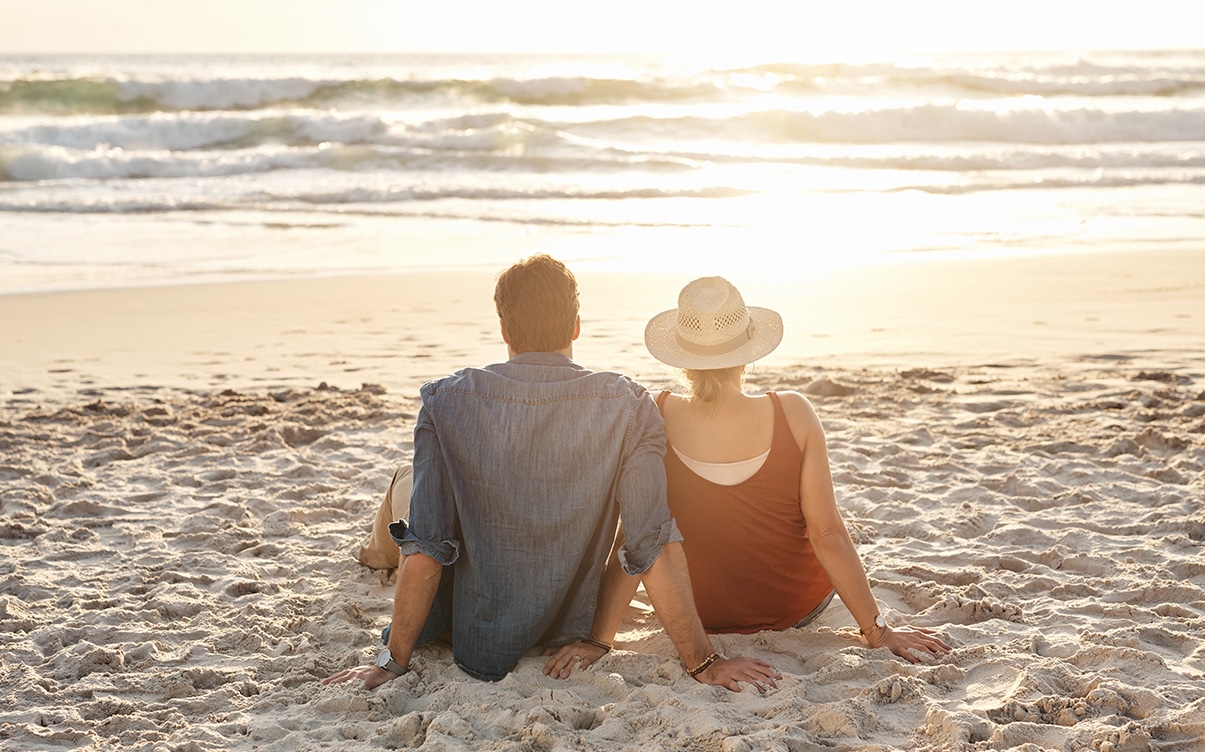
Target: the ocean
pixel 160 170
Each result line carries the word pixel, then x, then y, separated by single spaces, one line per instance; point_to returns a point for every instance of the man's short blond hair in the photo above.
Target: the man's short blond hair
pixel 538 303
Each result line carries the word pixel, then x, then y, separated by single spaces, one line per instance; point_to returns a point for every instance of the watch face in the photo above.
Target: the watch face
pixel 384 658
pixel 879 621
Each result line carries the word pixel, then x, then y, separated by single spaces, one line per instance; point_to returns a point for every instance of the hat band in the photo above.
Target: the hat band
pixel 721 349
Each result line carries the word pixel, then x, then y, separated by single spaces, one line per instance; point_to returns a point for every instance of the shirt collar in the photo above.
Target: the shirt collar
pixel 542 359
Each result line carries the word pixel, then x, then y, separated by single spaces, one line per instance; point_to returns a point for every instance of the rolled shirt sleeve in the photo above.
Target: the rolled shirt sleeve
pixel 444 551
pixel 431 529
pixel 647 523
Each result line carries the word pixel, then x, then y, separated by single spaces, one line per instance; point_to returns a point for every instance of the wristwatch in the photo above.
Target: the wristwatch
pixel 385 661
pixel 879 623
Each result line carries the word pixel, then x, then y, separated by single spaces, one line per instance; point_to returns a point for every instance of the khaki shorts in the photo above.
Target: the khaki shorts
pixel 379 551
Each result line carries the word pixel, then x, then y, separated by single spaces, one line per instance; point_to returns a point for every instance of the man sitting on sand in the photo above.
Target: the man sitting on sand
pixel 522 470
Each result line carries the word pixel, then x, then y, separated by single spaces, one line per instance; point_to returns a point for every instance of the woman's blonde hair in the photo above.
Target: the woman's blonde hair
pixel 707 385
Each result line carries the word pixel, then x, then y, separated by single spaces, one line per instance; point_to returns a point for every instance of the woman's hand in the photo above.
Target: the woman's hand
pixel 729 672
pixel 566 657
pixel 909 643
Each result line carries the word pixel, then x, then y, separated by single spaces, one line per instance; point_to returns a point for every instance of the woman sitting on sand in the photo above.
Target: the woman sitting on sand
pixel 750 488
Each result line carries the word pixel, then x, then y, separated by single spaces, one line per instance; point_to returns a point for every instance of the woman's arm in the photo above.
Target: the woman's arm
pixel 618 589
pixel 832 543
pixel 668 583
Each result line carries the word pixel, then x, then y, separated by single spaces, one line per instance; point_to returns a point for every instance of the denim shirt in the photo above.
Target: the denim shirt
pixel 521 472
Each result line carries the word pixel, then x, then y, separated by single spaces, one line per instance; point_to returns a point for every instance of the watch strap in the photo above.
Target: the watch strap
pixel 385 661
pixel 879 624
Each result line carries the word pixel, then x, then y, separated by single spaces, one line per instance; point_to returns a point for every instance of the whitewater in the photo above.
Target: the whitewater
pixel 161 169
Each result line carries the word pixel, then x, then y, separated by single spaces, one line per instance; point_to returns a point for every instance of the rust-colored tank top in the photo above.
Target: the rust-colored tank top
pixel 751 563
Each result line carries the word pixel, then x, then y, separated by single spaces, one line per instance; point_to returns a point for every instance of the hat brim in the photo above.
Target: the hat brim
pixel 661 339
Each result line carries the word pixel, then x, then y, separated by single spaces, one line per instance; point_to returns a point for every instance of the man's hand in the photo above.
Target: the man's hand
pixel 373 676
pixel 729 672
pixel 910 643
pixel 566 657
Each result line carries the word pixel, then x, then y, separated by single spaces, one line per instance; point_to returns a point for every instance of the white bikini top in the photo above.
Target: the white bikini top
pixel 724 473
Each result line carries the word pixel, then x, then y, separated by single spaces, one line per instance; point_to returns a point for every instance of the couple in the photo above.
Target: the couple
pixel 539 499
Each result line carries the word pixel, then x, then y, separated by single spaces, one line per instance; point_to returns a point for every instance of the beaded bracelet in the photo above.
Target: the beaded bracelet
pixel 597 643
pixel 703 666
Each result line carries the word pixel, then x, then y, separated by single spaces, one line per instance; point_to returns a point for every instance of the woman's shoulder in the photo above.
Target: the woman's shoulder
pixel 794 402
pixel 801 417
pixel 664 396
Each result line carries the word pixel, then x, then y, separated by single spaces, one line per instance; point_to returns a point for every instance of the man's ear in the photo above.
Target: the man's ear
pixel 577 328
pixel 505 334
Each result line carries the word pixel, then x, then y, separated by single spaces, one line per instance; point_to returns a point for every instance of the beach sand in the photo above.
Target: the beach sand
pixel 1018 447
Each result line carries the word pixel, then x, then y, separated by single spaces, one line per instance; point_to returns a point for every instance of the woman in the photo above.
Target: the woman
pixel 750 488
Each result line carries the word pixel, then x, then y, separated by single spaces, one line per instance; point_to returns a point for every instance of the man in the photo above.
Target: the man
pixel 521 472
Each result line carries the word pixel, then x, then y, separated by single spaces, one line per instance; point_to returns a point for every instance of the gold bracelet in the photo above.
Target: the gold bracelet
pixel 597 643
pixel 703 666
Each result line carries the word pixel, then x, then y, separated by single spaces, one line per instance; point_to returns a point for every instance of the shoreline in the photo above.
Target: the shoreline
pixel 400 330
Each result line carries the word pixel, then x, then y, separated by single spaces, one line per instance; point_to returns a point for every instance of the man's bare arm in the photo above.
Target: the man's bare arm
pixel 668 584
pixel 418 577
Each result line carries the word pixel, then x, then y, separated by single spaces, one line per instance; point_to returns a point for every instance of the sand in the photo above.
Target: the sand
pixel 1018 448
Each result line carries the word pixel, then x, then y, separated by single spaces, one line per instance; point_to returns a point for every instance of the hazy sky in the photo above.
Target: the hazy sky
pixel 785 27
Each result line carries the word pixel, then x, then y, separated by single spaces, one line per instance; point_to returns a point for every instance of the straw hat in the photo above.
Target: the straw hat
pixel 712 328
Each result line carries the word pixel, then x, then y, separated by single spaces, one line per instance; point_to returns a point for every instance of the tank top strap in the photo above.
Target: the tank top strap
pixel 783 438
pixel 661 398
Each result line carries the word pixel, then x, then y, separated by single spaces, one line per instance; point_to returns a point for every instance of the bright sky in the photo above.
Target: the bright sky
pixel 773 28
